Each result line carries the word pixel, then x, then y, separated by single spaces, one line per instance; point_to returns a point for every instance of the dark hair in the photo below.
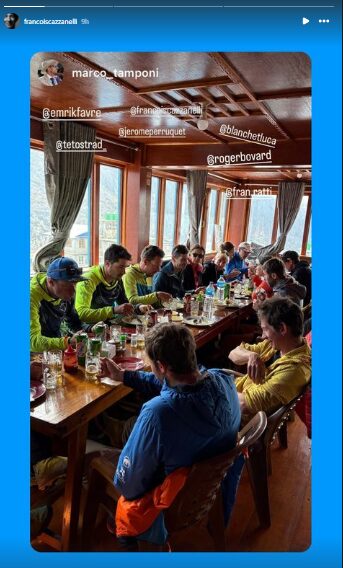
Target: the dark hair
pixel 150 252
pixel 283 310
pixel 115 253
pixel 227 246
pixel 197 247
pixel 173 345
pixel 179 249
pixel 275 265
pixel 290 255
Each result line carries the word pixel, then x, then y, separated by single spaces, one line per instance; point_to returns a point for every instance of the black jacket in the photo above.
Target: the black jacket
pixel 302 273
pixel 210 274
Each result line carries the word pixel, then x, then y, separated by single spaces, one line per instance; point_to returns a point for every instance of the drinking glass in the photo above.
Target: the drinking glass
pixel 115 331
pixel 92 367
pixel 194 309
pixel 134 339
pixel 52 368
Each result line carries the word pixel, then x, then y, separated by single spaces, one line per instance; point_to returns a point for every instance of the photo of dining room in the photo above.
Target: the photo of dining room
pixel 170 302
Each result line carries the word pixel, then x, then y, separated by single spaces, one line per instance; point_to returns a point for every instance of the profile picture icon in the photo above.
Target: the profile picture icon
pixel 11 20
pixel 50 72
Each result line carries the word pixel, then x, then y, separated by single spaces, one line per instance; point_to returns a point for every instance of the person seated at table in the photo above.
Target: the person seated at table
pixel 262 290
pixel 237 267
pixel 171 278
pixel 53 318
pixel 137 278
pixel 279 367
pixel 193 416
pixel 101 296
pixel 214 268
pixel 192 274
pixel 300 270
pixel 283 285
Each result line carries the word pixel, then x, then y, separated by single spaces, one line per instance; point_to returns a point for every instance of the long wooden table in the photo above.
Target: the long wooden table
pixel 66 411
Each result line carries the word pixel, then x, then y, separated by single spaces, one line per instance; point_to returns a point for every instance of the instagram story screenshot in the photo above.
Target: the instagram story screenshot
pixel 172 220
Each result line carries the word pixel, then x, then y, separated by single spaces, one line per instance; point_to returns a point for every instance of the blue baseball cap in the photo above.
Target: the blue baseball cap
pixel 64 268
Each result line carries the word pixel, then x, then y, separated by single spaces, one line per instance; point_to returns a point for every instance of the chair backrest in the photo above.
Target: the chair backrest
pixel 197 497
pixel 276 420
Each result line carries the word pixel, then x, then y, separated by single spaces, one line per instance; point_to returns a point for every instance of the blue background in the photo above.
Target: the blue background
pixel 174 30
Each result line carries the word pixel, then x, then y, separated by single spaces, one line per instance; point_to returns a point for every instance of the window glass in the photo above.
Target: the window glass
pixel 261 219
pixel 154 208
pixel 77 246
pixel 169 216
pixel 295 236
pixel 184 225
pixel 211 216
pixel 309 241
pixel 39 207
pixel 220 237
pixel 109 208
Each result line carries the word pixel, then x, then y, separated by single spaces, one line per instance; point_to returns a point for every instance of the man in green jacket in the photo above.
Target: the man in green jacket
pixel 137 279
pixel 101 296
pixel 53 319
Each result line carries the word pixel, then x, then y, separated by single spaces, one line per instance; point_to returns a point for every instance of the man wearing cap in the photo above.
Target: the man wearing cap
pixel 52 312
pixel 50 75
pixel 101 296
pixel 300 270
pixel 236 268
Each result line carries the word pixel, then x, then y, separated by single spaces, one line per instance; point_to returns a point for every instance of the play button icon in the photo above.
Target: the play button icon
pixel 305 21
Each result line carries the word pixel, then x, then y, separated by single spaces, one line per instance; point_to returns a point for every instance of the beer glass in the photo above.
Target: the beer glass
pixel 92 367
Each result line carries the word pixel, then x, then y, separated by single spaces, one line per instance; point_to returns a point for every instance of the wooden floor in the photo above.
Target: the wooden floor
pixel 290 501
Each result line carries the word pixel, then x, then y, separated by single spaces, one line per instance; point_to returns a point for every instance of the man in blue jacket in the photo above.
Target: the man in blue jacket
pixel 236 268
pixel 193 416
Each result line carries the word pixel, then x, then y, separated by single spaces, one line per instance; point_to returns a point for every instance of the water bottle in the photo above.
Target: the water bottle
pixel 209 302
pixel 221 289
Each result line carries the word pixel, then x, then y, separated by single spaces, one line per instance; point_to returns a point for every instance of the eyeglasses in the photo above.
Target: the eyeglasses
pixel 197 255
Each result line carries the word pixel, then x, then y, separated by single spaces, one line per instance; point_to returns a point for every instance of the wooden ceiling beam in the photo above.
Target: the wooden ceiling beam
pixel 212 101
pixel 192 84
pixel 232 100
pixel 220 59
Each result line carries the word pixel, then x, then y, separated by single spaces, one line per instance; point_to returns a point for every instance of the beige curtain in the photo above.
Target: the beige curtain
pixel 290 195
pixel 66 177
pixel 196 184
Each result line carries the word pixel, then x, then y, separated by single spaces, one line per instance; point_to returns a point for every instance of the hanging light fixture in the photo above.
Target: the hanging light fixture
pixel 299 175
pixel 202 122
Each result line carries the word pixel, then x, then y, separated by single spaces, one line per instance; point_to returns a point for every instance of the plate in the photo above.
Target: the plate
pixel 129 363
pixel 37 390
pixel 199 321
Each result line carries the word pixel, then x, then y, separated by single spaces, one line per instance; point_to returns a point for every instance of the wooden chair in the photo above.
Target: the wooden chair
pixel 259 457
pixel 197 509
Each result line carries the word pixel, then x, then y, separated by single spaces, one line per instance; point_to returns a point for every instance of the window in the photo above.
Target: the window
pixel 169 216
pixel 77 246
pixel 222 221
pixel 261 219
pixel 295 236
pixel 184 219
pixel 154 209
pixel 109 207
pixel 211 217
pixel 39 207
pixel 309 241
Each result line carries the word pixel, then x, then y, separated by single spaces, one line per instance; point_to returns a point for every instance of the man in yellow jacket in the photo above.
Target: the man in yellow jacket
pixel 279 367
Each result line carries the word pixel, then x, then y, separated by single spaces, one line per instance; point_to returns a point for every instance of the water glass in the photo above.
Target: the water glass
pixel 52 368
pixel 92 366
pixel 115 331
pixel 134 340
pixel 194 309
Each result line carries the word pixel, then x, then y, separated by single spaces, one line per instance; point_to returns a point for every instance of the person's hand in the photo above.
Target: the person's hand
pixel 36 372
pixel 234 273
pixel 256 369
pixel 144 309
pixel 164 297
pixel 124 309
pixel 109 368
